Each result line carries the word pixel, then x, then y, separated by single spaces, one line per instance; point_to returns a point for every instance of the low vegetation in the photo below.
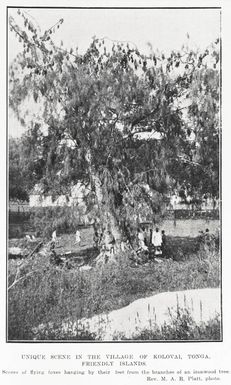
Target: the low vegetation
pixel 46 293
pixel 181 327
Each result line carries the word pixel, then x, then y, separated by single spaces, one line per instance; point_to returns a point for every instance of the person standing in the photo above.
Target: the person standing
pixel 141 239
pixel 53 240
pixel 207 238
pixel 163 243
pixel 54 236
pixel 77 237
pixel 96 239
pixel 109 242
pixel 157 242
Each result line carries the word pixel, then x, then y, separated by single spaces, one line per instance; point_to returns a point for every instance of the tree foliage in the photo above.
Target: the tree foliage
pixel 16 186
pixel 117 119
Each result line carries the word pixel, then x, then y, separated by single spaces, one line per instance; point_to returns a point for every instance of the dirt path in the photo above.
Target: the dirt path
pixel 203 305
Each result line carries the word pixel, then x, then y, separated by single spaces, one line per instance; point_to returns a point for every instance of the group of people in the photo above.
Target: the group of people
pixel 156 245
pixel 153 244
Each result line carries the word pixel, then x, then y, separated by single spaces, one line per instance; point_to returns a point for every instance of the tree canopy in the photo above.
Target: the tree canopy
pixel 133 126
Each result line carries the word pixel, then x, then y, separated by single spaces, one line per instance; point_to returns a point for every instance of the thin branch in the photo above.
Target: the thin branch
pixel 143 117
pixel 18 33
pixel 23 263
pixel 117 41
pixel 35 249
pixel 53 26
pixel 189 161
pixel 66 51
pixel 21 278
pixel 32 17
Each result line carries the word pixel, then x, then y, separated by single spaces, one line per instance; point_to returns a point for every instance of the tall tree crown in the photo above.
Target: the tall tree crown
pixel 121 114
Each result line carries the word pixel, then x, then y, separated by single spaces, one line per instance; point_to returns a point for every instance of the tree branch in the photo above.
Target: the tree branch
pixel 16 280
pixel 21 278
pixel 143 117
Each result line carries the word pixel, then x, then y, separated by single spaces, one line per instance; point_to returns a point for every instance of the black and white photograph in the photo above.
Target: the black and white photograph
pixel 114 175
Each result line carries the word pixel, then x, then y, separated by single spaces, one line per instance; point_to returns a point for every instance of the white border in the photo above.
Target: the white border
pixel 220 353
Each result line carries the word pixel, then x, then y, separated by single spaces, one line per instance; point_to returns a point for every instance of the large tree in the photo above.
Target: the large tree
pixel 114 118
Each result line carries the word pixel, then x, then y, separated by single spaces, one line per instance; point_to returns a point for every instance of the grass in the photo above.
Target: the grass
pixel 180 327
pixel 51 294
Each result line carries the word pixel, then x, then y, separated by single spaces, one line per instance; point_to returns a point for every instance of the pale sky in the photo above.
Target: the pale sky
pixel 165 29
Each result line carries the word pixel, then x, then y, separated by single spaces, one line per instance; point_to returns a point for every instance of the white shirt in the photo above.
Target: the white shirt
pixel 156 238
pixel 77 236
pixel 141 236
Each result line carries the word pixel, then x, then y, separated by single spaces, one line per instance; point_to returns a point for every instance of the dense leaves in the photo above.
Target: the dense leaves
pixel 119 120
pixel 16 186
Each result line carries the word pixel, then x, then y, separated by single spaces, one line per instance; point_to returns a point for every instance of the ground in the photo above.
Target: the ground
pixel 200 305
pixel 52 293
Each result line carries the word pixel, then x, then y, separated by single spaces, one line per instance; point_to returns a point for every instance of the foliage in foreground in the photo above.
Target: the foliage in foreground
pixel 52 294
pixel 181 327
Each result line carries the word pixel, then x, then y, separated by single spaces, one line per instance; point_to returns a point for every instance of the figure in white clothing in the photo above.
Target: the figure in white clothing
pixel 54 236
pixel 141 240
pixel 53 240
pixel 77 237
pixel 157 241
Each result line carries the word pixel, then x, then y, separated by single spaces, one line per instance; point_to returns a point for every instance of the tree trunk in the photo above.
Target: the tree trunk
pixel 107 223
pixel 111 235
